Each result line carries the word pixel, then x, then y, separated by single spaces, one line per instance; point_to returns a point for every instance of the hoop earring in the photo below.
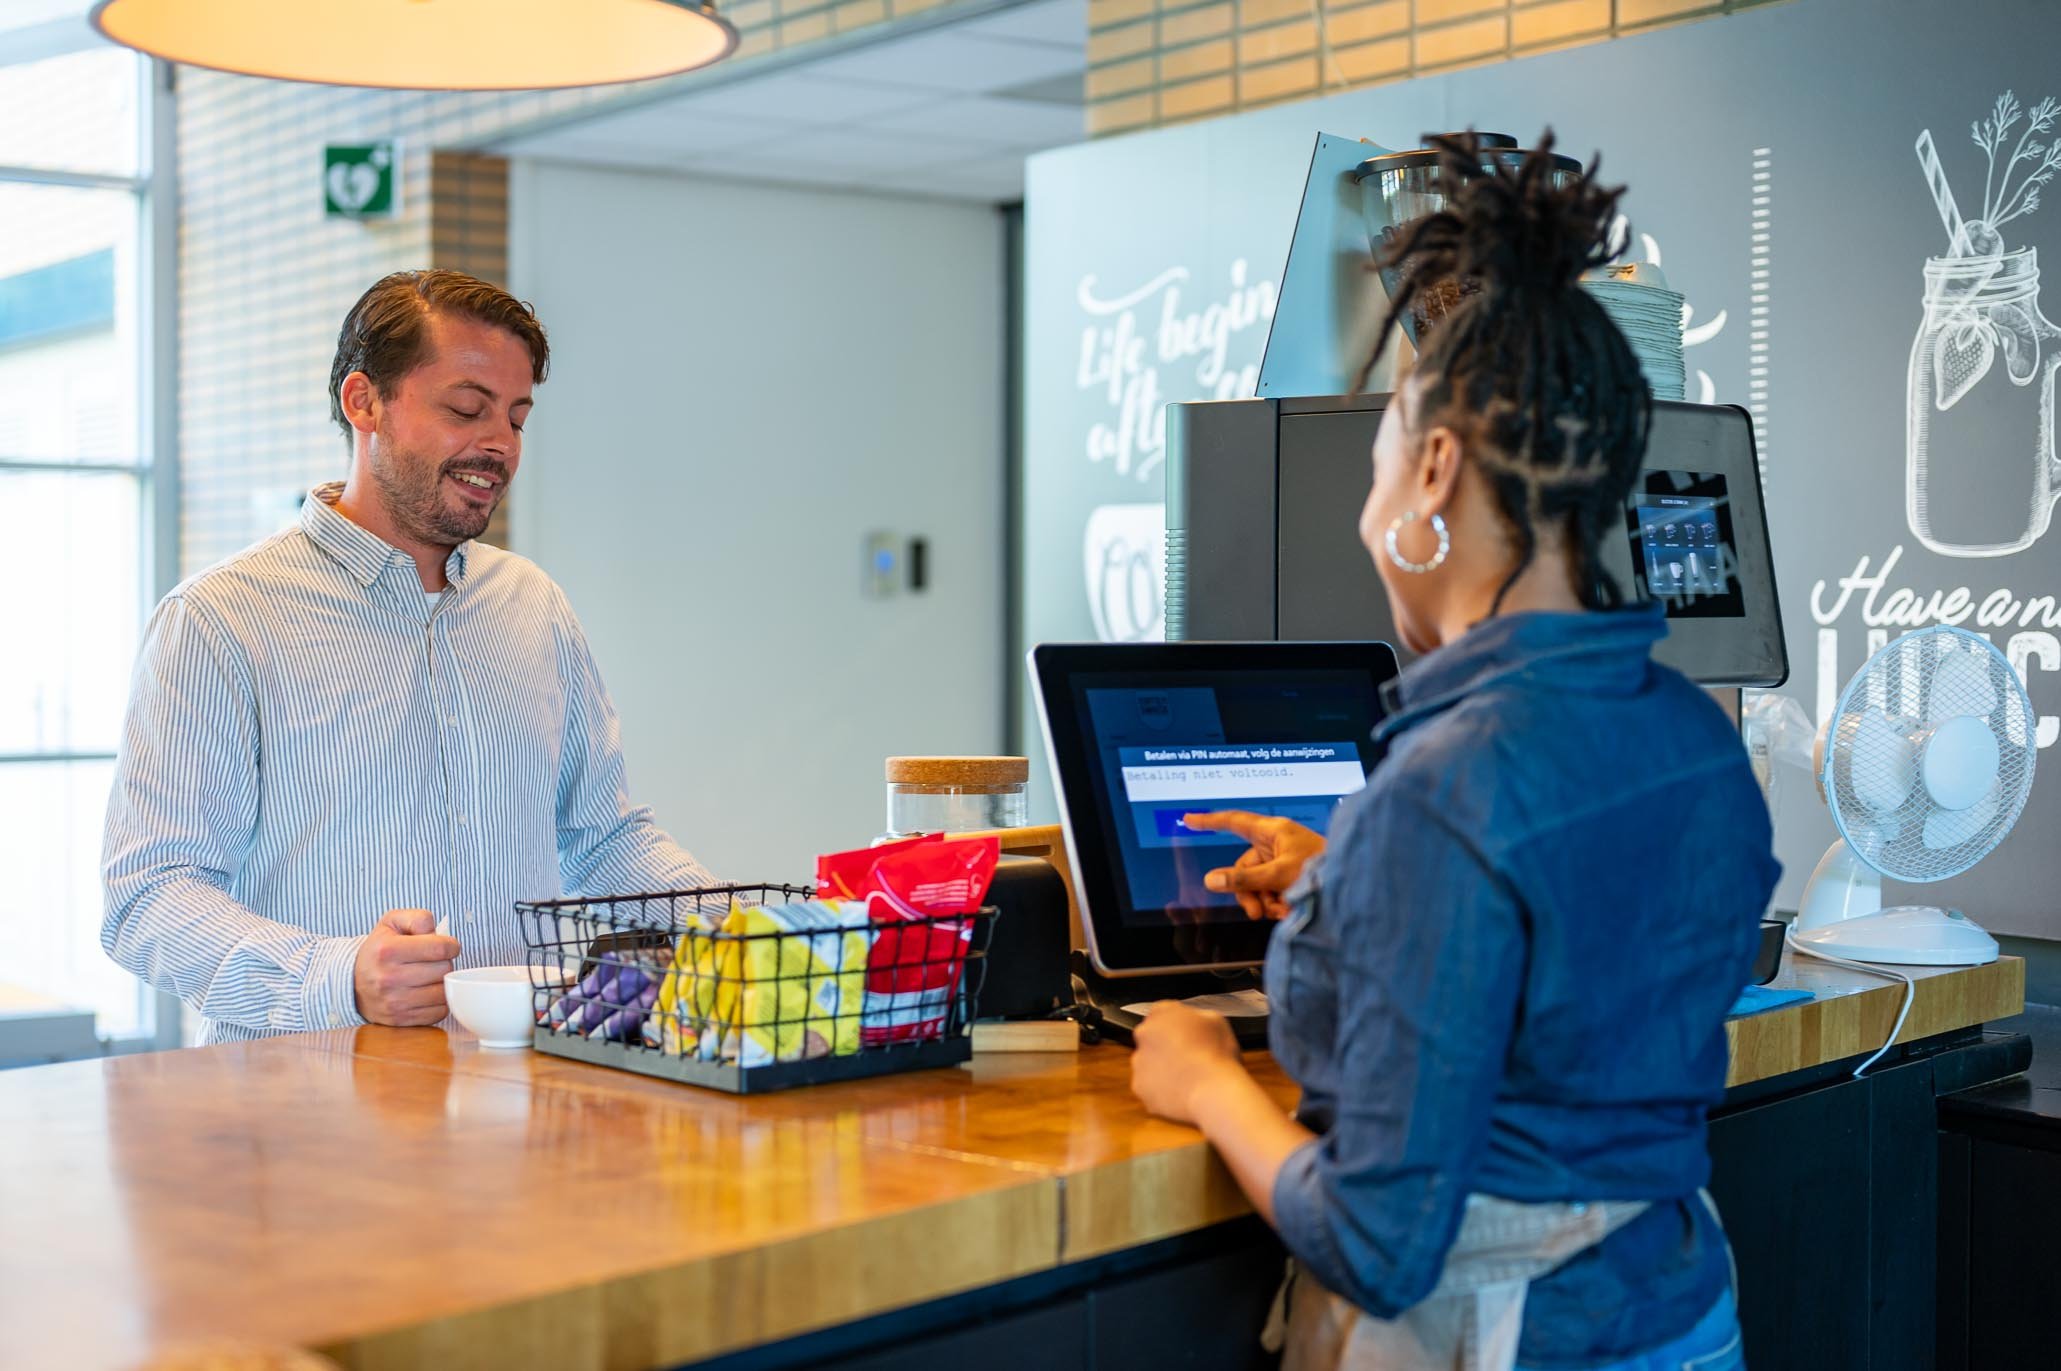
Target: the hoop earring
pixel 1438 558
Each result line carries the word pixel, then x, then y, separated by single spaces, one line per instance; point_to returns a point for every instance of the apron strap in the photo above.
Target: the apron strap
pixel 1472 1319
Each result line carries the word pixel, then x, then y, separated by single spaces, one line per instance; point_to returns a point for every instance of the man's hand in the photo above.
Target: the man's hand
pixel 399 978
pixel 1280 849
pixel 1180 1051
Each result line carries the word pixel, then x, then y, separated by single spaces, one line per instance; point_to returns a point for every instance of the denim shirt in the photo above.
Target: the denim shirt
pixel 1510 971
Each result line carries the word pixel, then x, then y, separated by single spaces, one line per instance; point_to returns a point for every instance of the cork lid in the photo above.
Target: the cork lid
pixel 963 773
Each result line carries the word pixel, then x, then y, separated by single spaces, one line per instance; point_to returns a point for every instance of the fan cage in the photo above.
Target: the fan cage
pixel 1910 685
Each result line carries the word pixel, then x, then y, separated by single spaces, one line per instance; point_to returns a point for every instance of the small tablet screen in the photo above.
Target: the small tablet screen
pixel 1683 548
pixel 1143 736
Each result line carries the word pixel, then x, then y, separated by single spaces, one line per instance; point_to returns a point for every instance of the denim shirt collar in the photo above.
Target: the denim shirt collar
pixel 359 551
pixel 1604 652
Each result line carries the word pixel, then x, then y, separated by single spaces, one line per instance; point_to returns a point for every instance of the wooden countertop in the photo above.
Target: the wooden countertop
pixel 400 1197
pixel 1852 1012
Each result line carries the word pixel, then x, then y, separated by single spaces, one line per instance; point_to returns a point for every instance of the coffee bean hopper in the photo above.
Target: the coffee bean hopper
pixel 1358 196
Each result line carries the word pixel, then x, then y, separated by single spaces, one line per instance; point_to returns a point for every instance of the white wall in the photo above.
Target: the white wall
pixel 744 381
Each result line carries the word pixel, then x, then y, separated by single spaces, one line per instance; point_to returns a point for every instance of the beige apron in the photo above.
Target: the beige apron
pixel 1471 1319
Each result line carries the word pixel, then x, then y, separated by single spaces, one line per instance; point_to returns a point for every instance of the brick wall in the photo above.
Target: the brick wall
pixel 1153 62
pixel 265 279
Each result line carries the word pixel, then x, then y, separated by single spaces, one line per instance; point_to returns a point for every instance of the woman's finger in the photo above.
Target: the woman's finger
pixel 1245 824
pixel 1259 878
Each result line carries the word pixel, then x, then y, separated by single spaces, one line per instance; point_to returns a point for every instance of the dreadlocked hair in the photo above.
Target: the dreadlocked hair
pixel 1524 364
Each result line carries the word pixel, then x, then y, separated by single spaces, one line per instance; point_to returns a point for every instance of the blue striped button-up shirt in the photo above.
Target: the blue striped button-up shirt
pixel 312 740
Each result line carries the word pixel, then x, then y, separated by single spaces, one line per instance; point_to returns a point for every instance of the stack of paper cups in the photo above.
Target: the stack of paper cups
pixel 1636 297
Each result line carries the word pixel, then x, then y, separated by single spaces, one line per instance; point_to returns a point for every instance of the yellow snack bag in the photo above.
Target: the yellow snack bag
pixel 803 980
pixel 698 1002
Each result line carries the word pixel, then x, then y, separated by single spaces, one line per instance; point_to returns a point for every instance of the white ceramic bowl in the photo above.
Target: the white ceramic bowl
pixel 496 1002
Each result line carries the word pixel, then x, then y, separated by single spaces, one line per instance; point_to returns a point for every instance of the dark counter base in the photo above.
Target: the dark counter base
pixel 1830 1191
pixel 2000 1212
pixel 1192 1303
pixel 1829 1187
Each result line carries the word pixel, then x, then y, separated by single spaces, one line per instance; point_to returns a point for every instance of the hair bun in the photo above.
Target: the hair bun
pixel 1526 221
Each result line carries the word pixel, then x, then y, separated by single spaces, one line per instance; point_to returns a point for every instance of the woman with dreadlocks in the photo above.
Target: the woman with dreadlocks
pixel 1502 988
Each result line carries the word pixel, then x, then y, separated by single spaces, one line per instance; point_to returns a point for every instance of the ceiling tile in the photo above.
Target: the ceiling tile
pixel 954 107
pixel 663 127
pixel 943 59
pixel 598 154
pixel 1063 23
pixel 1012 123
pixel 688 129
pixel 795 97
pixel 841 156
pixel 766 163
pixel 1067 88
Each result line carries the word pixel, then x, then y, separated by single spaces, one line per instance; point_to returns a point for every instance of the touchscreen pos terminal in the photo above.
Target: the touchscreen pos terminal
pixel 1141 734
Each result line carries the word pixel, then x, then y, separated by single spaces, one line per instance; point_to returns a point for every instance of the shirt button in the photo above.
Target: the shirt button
pixel 461 821
pixel 336 1021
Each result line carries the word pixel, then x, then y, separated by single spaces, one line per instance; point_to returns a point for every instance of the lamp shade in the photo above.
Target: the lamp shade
pixel 427 44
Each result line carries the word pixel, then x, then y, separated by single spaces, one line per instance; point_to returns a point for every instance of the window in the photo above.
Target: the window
pixel 82 477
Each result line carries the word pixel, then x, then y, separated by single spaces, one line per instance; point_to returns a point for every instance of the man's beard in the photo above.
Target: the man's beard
pixel 413 492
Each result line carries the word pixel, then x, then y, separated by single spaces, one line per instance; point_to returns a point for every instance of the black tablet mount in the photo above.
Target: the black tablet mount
pixel 1099 1000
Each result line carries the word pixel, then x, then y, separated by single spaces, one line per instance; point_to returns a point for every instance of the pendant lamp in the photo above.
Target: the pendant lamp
pixel 427 44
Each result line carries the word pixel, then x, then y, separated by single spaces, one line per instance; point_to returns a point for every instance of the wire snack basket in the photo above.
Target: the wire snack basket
pixel 750 988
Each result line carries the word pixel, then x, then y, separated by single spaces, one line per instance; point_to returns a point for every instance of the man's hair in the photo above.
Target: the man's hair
pixel 387 332
pixel 1524 363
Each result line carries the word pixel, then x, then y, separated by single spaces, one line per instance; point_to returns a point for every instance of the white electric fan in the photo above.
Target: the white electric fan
pixel 1925 765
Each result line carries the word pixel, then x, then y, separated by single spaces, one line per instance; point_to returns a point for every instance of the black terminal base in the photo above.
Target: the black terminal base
pixel 1100 1000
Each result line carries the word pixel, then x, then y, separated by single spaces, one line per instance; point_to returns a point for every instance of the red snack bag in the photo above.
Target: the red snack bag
pixel 912 973
pixel 844 875
pixel 941 876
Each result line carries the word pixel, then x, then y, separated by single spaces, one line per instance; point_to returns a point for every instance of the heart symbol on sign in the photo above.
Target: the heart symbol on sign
pixel 1961 357
pixel 353 184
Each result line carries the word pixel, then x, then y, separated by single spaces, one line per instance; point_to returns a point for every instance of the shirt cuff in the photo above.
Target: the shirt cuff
pixel 329 996
pixel 1299 1207
pixel 1300 1217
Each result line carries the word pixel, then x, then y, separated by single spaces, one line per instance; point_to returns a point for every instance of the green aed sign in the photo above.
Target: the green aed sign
pixel 358 180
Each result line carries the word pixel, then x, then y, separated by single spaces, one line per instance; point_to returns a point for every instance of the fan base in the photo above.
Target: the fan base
pixel 1914 935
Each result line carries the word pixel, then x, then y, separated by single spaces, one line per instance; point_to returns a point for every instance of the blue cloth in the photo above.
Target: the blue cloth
pixel 1510 972
pixel 312 741
pixel 1712 1345
pixel 1756 999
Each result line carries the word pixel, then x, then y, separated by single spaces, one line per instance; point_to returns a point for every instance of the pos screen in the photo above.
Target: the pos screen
pixel 1141 735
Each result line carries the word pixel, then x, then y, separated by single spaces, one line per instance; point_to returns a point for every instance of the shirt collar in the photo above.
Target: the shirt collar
pixel 361 552
pixel 1600 652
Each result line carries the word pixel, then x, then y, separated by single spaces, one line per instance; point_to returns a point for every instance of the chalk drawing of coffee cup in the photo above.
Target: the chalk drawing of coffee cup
pixel 1125 561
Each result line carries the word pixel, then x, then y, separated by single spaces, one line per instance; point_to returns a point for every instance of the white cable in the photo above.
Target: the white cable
pixel 1910 992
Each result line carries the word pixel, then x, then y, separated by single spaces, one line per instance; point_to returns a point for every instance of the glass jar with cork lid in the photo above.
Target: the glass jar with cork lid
pixel 955 794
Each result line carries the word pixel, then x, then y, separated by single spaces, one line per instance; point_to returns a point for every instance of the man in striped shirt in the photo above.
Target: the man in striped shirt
pixel 370 724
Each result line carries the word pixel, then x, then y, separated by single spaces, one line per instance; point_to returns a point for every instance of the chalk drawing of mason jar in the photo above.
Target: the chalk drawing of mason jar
pixel 1980 463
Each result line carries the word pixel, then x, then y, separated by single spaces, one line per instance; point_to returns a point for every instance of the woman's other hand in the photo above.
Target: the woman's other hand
pixel 1180 1051
pixel 1260 878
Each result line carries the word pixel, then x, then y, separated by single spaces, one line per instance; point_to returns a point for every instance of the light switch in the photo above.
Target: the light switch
pixel 881 573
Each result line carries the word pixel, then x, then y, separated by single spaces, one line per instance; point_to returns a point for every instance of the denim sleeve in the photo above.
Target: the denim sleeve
pixel 1431 953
